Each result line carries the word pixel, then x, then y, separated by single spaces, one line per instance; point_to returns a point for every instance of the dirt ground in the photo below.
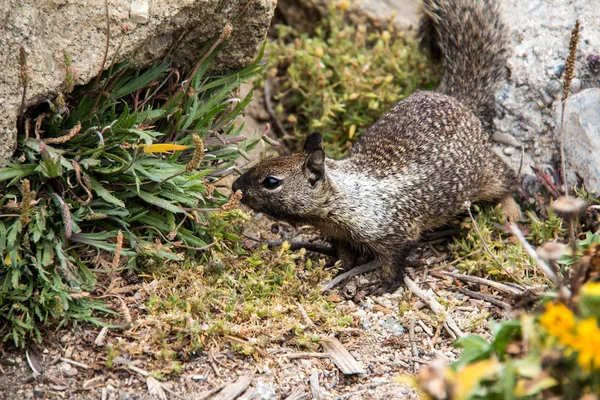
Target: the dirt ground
pixel 398 334
pixel 393 339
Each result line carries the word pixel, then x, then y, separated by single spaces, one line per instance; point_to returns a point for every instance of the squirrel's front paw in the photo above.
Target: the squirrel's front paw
pixel 511 211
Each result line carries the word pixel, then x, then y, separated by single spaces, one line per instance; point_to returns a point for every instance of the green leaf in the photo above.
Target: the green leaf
pixel 50 166
pixel 149 116
pixel 474 347
pixel 105 194
pixel 504 333
pixel 508 380
pixel 140 82
pixel 157 201
pixel 16 171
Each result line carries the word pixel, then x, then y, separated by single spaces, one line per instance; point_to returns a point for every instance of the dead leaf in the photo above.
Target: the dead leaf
pixel 155 388
pixel 33 362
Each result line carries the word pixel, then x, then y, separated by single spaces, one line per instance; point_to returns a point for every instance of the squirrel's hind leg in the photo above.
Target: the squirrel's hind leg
pixel 391 262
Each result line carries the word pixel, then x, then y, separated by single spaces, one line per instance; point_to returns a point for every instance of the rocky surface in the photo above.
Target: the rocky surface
pixel 529 104
pixel 402 14
pixel 582 136
pixel 146 31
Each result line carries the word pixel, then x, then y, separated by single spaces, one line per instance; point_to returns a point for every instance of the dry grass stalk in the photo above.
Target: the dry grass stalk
pixel 568 77
pixel 64 209
pixel 266 138
pixel 234 202
pixel 38 125
pixel 118 250
pixel 198 154
pixel 26 203
pixel 24 78
pixel 65 138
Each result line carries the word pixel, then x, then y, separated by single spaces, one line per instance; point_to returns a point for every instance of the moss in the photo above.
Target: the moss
pixel 343 78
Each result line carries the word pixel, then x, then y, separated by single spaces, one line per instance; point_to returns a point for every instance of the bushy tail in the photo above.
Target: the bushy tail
pixel 471 39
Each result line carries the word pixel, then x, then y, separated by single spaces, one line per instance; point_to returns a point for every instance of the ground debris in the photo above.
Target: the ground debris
pixel 342 357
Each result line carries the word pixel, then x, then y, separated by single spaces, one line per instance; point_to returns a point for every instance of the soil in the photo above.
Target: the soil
pixel 398 334
pixel 388 343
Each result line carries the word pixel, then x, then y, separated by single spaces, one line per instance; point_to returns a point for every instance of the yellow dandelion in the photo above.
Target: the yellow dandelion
pixel 558 320
pixel 588 344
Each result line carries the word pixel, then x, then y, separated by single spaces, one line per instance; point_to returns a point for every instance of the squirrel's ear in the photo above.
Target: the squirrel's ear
pixel 313 142
pixel 315 166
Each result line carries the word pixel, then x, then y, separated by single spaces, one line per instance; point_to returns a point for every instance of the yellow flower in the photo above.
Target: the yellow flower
pixel 343 5
pixel 471 375
pixel 559 321
pixel 591 289
pixel 589 301
pixel 163 148
pixel 588 344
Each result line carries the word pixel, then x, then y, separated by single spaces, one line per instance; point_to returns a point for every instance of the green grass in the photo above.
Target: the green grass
pixel 491 250
pixel 342 78
pixel 93 188
pixel 248 302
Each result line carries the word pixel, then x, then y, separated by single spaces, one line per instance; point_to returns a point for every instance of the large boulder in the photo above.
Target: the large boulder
pixel 582 136
pixel 530 103
pixel 146 31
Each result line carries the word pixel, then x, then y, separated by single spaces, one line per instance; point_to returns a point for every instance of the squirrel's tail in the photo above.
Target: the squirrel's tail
pixel 471 39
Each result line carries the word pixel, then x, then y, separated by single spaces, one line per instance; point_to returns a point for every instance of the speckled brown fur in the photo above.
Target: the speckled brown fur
pixel 414 169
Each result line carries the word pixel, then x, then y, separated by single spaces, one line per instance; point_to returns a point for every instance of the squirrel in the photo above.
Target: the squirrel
pixel 414 169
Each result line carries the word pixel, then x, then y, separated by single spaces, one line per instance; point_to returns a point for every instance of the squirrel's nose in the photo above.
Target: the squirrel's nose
pixel 236 185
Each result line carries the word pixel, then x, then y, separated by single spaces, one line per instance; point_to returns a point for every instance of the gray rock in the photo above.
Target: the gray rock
pixel 402 14
pixel 539 36
pixel 582 137
pixel 47 28
pixel 506 139
pixel 509 151
pixel 393 326
pixel 575 85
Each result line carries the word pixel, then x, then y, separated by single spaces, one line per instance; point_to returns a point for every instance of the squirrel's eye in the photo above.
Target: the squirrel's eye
pixel 270 182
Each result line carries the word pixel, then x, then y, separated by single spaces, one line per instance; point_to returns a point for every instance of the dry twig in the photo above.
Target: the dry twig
pixel 361 269
pixel 433 305
pixel 481 281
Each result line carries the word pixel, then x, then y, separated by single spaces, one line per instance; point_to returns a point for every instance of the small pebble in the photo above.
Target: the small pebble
pixel 381 369
pixel 575 86
pixel 506 139
pixel 546 98
pixel 554 87
pixel 558 70
pixel 509 151
pixel 139 11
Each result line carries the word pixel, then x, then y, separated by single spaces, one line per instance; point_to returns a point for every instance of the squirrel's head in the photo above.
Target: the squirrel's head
pixel 286 187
